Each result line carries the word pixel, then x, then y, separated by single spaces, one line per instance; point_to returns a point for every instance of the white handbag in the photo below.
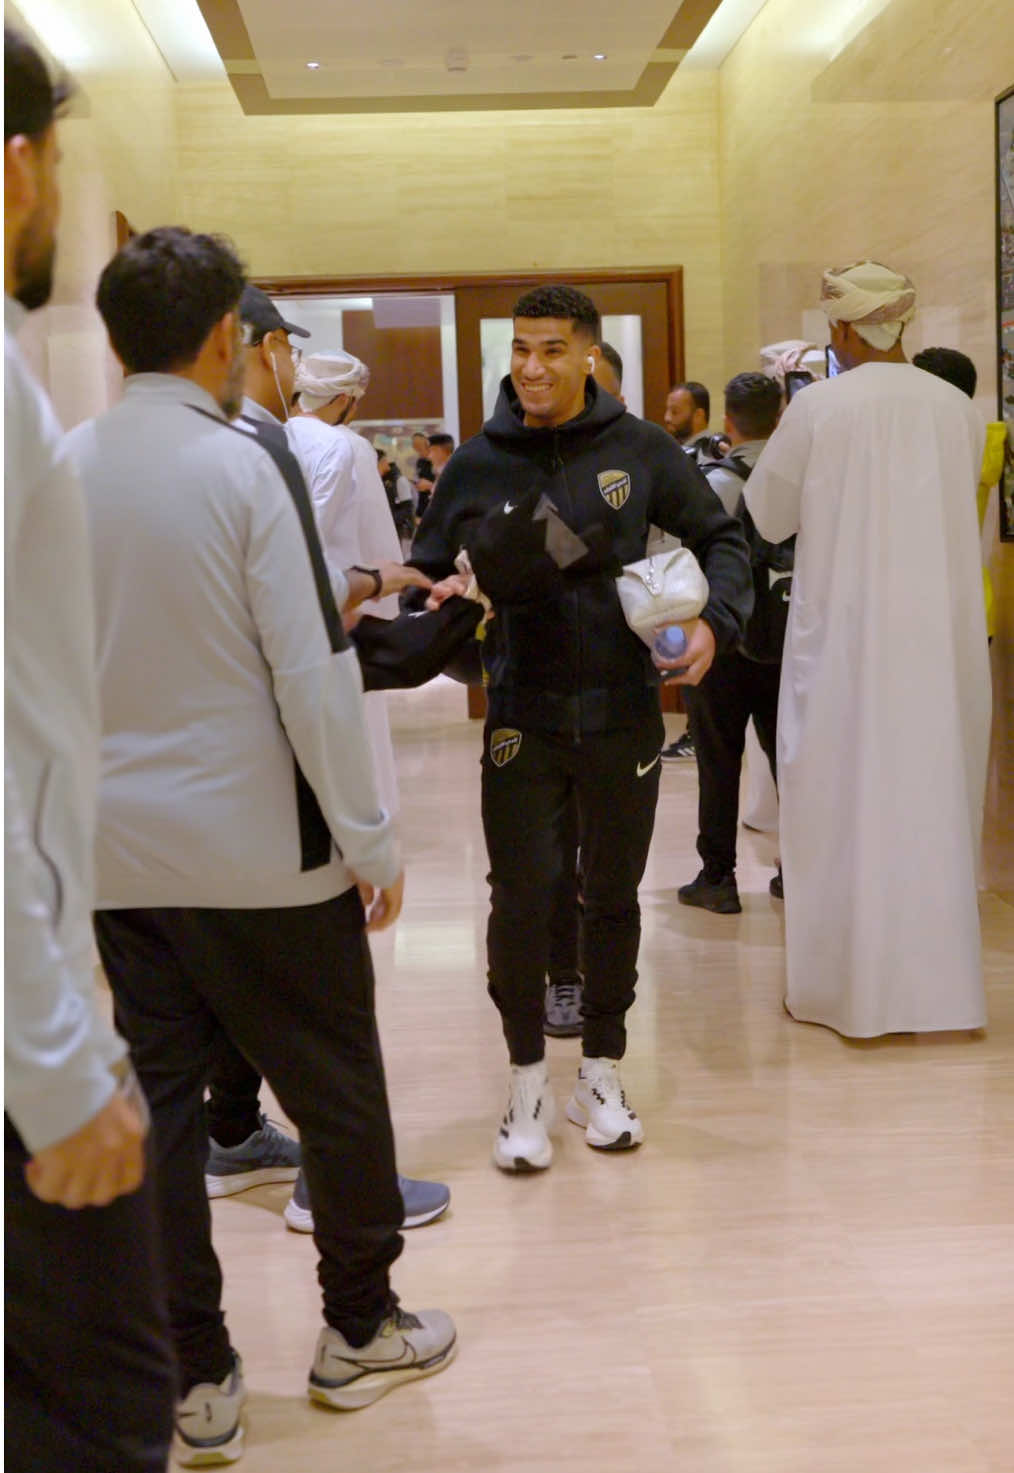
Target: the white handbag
pixel 666 588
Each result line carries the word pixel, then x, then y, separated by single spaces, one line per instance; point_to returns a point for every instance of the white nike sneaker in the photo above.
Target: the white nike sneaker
pixel 405 1348
pixel 600 1105
pixel 209 1431
pixel 522 1142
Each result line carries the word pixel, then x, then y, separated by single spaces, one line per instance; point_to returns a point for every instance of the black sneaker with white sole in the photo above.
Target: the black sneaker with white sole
pixel 681 750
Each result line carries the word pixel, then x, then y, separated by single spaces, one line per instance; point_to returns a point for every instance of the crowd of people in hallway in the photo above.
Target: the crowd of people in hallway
pixel 194 775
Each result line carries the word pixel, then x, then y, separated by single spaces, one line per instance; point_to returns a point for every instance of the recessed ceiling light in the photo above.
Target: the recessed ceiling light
pixel 569 56
pixel 599 56
pixel 313 66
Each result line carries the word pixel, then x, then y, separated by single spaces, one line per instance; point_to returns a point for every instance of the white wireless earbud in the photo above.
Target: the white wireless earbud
pixel 278 384
pixel 590 364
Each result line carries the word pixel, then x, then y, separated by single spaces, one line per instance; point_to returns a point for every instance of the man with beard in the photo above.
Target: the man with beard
pixel 240 833
pixel 687 412
pixel 880 829
pixel 89 1382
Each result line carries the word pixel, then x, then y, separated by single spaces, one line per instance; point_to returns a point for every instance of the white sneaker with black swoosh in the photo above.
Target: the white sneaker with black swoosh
pixel 209 1431
pixel 405 1348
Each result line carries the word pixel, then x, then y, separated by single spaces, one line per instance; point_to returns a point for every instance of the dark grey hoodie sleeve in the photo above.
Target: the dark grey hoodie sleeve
pixel 438 540
pixel 683 503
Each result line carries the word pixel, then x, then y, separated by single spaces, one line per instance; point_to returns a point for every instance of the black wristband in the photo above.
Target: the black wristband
pixel 374 573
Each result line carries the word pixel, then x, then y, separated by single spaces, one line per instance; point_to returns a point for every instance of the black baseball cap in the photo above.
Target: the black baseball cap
pixel 258 310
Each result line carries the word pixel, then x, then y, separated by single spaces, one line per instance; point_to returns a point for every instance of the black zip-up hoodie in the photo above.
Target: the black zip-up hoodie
pixel 561 655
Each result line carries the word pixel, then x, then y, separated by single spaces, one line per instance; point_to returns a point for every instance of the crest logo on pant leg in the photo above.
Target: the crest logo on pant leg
pixel 504 745
pixel 615 487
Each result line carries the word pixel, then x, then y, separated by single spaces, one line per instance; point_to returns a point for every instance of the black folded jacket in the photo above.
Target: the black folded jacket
pixel 402 653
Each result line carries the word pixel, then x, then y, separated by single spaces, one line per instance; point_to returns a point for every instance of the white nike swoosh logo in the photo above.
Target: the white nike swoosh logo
pixel 643 771
pixel 508 507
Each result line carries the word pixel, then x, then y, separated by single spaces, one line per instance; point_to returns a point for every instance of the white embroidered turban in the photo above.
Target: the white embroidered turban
pixel 876 300
pixel 321 377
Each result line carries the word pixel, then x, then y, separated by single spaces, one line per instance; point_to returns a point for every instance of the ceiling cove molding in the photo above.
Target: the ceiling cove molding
pixel 232 40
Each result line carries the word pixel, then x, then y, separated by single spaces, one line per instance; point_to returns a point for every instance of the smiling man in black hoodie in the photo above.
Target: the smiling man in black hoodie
pixel 573 693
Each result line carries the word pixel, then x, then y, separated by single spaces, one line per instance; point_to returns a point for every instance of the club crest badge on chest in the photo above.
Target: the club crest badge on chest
pixel 615 487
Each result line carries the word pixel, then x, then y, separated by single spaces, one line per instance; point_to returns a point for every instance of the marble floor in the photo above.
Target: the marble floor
pixel 807 1268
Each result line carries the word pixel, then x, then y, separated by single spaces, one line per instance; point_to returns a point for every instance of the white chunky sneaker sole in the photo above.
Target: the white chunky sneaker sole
pixel 625 1141
pixel 298 1219
pixel 531 1159
pixel 208 1457
pixel 368 1388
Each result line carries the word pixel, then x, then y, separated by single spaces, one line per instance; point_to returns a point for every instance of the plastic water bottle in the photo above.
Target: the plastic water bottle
pixel 670 643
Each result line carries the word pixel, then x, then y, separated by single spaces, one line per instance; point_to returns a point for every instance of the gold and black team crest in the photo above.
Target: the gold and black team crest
pixel 504 745
pixel 615 487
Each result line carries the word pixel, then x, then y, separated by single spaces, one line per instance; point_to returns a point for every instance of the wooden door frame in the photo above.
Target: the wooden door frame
pixel 327 286
pixel 449 282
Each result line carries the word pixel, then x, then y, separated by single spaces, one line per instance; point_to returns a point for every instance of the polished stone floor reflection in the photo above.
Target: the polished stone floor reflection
pixel 807 1268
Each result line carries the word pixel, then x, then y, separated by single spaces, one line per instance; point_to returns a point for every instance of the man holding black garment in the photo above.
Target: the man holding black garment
pixel 240 833
pixel 573 698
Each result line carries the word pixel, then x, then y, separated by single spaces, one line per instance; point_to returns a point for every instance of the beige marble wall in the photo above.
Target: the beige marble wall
pixel 884 149
pixel 468 192
pixel 119 153
pixel 806 148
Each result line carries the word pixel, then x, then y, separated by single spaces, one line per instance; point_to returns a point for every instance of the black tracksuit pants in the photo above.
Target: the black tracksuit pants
pixel 566 919
pixel 89 1379
pixel 529 782
pixel 294 988
pixel 719 710
pixel 233 1103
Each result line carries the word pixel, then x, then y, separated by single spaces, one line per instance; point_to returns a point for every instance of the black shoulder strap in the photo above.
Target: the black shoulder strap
pixel 315 838
pixel 736 464
pixel 273 439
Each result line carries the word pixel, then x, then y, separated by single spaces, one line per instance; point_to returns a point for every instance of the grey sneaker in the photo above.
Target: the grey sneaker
pixel 424 1201
pixel 266 1156
pixel 563 1007
pixel 209 1431
pixel 405 1348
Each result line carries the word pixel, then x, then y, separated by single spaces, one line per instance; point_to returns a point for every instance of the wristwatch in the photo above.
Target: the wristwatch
pixel 374 573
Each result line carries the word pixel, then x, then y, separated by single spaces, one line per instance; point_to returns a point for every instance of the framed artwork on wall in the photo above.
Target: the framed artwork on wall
pixel 1005 298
